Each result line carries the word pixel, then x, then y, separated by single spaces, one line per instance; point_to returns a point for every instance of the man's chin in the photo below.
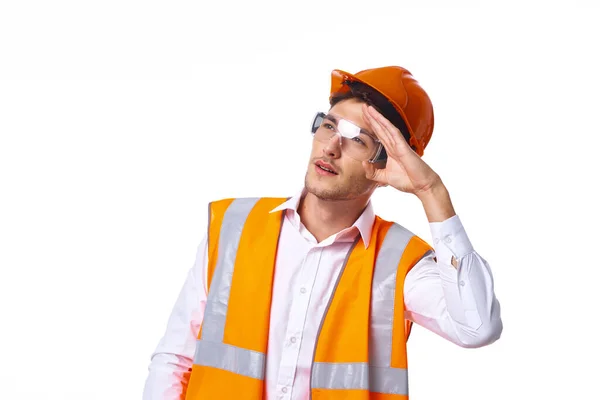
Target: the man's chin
pixel 324 192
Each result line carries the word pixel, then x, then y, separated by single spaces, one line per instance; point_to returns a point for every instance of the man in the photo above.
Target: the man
pixel 314 296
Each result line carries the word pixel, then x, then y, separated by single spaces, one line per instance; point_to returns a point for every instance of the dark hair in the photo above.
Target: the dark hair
pixel 366 94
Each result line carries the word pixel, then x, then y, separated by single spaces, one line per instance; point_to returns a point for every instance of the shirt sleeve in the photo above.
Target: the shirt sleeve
pixel 451 290
pixel 171 362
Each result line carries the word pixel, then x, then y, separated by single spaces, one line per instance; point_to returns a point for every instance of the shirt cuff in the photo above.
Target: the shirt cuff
pixel 450 239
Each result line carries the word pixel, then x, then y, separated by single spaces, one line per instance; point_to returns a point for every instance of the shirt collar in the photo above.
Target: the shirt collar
pixel 364 223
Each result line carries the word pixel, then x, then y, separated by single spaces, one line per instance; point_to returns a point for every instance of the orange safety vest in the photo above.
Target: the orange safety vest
pixel 360 352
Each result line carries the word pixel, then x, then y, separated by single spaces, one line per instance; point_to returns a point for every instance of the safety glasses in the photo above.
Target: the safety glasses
pixel 352 139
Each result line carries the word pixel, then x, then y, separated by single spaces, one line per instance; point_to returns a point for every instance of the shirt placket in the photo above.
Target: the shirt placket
pixel 295 324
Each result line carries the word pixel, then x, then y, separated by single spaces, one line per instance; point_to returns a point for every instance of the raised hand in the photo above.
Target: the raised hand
pixel 404 169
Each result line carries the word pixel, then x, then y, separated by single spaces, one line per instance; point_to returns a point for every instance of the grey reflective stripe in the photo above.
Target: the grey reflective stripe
pixel 230 358
pixel 218 296
pixel 384 293
pixel 210 349
pixel 340 376
pixel 208 230
pixel 360 376
pixel 389 380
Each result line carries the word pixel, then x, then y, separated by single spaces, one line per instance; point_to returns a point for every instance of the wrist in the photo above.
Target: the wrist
pixel 436 203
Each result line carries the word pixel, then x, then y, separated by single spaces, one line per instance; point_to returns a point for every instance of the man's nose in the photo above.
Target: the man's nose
pixel 333 149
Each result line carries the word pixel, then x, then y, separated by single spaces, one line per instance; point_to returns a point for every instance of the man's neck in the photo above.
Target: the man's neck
pixel 323 218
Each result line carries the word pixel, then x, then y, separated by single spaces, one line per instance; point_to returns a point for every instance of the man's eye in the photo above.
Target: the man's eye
pixel 359 141
pixel 328 126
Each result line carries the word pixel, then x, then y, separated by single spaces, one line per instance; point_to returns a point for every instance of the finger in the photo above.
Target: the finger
pixel 382 134
pixel 383 121
pixel 374 174
pixel 396 136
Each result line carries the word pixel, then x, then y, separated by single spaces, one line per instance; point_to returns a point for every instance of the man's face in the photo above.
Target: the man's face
pixel 349 180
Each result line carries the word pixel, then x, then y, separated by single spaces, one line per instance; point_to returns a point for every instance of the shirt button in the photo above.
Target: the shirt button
pixel 284 390
pixel 303 290
pixel 462 283
pixel 447 239
pixel 293 340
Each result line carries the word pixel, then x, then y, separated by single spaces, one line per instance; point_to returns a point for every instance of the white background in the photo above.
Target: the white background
pixel 120 120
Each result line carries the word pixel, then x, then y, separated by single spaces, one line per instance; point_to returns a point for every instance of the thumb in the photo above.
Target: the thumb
pixel 374 174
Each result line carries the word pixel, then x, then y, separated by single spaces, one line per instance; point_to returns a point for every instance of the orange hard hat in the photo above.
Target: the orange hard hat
pixel 402 90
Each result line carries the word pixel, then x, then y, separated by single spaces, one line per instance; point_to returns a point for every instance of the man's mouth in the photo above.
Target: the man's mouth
pixel 325 167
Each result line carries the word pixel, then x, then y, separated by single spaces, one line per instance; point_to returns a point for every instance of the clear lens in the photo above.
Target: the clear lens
pixel 354 141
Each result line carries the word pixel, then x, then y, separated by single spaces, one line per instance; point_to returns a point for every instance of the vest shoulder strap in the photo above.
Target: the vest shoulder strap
pixel 233 211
